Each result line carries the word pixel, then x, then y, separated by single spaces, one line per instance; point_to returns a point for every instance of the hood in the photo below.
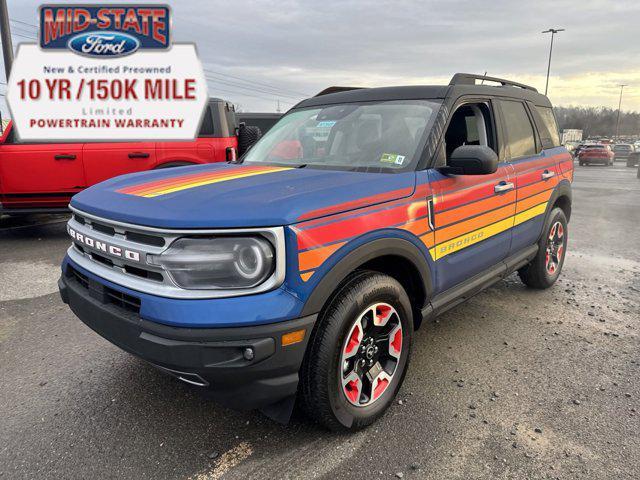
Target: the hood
pixel 234 196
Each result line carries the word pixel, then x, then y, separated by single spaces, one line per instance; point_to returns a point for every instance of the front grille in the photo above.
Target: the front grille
pixel 105 294
pixel 80 278
pixel 112 231
pixel 125 238
pixel 123 300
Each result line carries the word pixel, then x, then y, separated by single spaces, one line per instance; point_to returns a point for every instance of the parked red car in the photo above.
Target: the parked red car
pixel 596 154
pixel 42 177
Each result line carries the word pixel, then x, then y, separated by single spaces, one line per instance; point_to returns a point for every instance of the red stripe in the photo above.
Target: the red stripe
pixel 180 179
pixel 352 227
pixel 360 202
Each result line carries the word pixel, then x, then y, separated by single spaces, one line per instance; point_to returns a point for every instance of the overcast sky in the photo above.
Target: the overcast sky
pixel 259 52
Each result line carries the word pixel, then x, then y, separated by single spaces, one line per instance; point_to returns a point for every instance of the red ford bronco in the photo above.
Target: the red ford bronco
pixel 42 177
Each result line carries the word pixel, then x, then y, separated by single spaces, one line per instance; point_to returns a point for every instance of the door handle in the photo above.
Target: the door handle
pixel 138 155
pixel 503 187
pixel 546 175
pixel 65 156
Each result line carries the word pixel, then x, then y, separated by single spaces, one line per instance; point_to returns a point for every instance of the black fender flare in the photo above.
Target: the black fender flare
pixel 381 247
pixel 563 189
pixel 175 163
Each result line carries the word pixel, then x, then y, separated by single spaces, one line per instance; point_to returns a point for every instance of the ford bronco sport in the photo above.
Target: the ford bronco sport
pixel 302 270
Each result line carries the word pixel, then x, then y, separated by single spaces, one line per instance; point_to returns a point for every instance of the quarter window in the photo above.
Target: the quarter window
pixel 549 127
pixel 519 131
pixel 206 128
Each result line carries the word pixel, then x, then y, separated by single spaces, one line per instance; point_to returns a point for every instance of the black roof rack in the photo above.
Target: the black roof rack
pixel 329 90
pixel 470 79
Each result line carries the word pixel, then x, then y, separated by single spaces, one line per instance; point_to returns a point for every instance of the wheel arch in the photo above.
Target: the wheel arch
pixel 561 197
pixel 397 257
pixel 176 163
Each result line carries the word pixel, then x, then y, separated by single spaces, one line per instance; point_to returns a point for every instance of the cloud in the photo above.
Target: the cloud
pixel 291 48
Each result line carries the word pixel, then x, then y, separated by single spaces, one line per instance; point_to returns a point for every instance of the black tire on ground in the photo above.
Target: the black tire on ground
pixel 321 393
pixel 536 274
pixel 581 163
pixel 247 136
pixel 174 164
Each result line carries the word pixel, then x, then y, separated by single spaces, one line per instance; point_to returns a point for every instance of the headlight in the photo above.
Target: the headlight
pixel 218 263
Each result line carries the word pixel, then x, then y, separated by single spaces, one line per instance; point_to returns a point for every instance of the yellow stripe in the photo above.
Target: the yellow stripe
pixel 471 238
pixel 529 214
pixel 199 183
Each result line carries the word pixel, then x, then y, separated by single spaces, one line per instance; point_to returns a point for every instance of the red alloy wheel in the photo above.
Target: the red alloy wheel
pixel 555 248
pixel 370 354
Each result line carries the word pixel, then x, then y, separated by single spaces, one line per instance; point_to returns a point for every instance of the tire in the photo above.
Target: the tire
pixel 326 393
pixel 538 273
pixel 581 164
pixel 247 136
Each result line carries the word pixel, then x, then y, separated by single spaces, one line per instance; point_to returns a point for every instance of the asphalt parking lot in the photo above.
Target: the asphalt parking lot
pixel 513 384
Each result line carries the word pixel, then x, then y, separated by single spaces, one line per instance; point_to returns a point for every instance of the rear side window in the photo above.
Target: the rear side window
pixel 520 135
pixel 549 128
pixel 206 127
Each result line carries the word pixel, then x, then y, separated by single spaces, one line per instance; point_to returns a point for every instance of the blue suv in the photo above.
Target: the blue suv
pixel 301 271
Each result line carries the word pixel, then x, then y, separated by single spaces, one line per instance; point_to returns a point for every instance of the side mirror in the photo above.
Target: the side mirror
pixel 472 160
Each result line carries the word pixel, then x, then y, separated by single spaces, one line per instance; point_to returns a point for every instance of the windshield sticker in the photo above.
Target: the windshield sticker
pixel 326 124
pixel 392 158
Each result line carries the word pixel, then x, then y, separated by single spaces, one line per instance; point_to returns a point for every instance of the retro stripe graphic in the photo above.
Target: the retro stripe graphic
pixel 460 220
pixel 193 180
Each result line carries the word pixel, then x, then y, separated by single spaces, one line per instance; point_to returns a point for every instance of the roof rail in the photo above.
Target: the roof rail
pixel 329 90
pixel 470 79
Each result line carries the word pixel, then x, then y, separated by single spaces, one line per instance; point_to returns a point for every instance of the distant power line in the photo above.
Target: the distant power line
pixel 24 23
pixel 251 95
pixel 251 88
pixel 256 83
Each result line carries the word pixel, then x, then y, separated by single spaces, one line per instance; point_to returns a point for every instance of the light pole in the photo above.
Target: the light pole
pixel 5 34
pixel 619 106
pixel 552 31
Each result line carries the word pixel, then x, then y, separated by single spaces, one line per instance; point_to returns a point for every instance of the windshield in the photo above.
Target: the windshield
pixel 376 136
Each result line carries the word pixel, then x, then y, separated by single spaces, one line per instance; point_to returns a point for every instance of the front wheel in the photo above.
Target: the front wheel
pixel 544 269
pixel 358 353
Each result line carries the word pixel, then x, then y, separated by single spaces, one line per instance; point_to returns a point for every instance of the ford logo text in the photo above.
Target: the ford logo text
pixel 104 44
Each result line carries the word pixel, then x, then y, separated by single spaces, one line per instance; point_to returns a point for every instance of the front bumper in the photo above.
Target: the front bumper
pixel 212 358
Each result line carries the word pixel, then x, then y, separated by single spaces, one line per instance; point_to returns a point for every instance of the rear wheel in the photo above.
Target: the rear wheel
pixel 358 354
pixel 544 269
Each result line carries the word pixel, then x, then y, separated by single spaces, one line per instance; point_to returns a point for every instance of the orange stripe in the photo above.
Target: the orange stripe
pixel 532 201
pixel 466 211
pixel 209 181
pixel 444 234
pixel 306 276
pixel 417 227
pixel 166 181
pixel 428 239
pixel 316 257
pixel 151 187
pixel 529 190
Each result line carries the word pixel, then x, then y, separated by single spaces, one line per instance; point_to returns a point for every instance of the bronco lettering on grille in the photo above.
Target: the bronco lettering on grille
pixel 104 247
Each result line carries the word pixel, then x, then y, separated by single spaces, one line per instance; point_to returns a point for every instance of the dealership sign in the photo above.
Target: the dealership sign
pixel 106 73
pixel 113 30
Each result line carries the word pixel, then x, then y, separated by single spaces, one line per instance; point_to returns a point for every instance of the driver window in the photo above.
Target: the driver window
pixel 469 125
